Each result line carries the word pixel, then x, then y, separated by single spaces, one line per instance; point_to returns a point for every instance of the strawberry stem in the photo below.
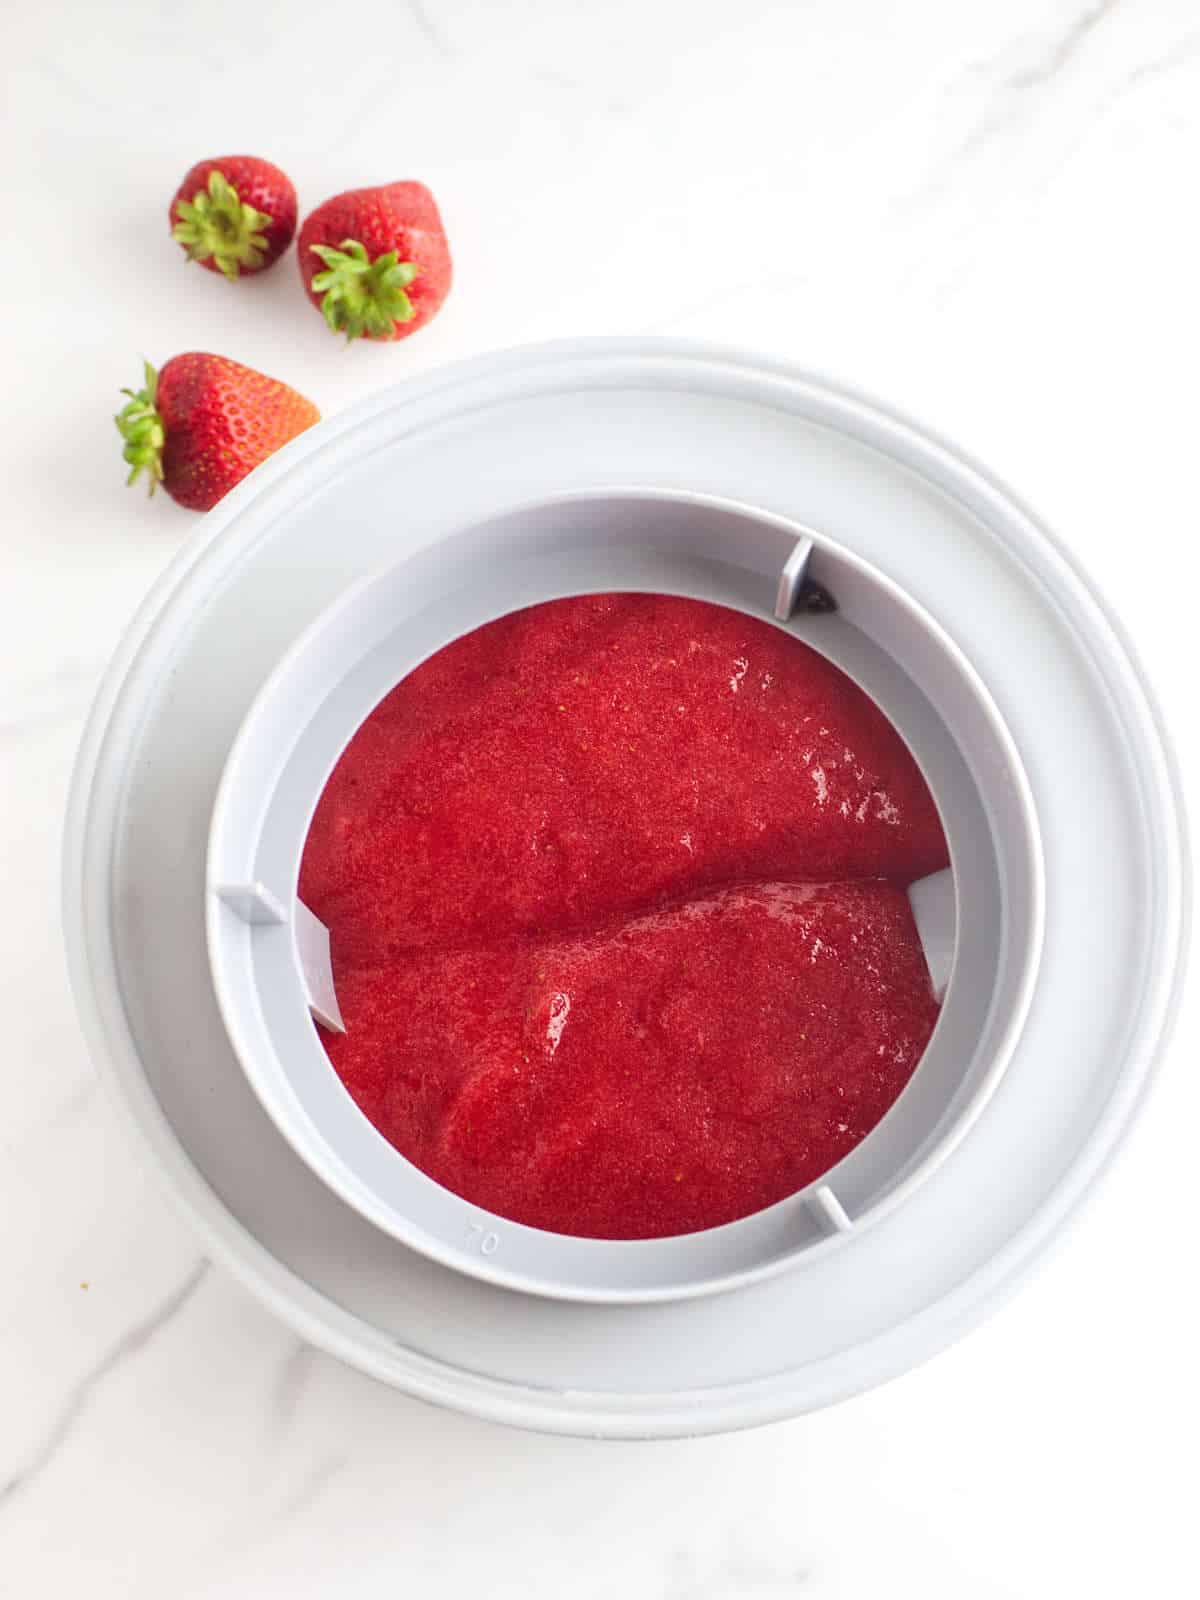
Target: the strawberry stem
pixel 141 427
pixel 216 223
pixel 361 297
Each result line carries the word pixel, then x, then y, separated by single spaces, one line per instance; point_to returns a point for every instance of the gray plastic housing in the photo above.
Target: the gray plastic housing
pixel 982 930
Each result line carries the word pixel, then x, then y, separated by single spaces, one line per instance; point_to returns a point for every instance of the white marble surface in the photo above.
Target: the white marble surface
pixel 986 212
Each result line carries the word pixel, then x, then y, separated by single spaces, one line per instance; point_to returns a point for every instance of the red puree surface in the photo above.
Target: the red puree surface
pixel 616 891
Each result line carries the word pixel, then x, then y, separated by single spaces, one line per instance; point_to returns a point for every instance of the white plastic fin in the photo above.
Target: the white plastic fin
pixel 253 902
pixel 791 578
pixel 312 952
pixel 936 917
pixel 828 1210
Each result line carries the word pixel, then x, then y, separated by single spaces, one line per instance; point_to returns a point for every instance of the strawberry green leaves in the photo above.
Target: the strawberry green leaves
pixel 141 427
pixel 361 297
pixel 216 223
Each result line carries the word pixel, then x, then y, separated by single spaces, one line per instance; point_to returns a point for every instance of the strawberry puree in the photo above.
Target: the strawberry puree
pixel 615 887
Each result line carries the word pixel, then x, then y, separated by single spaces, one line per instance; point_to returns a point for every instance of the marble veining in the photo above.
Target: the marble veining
pixel 75 1402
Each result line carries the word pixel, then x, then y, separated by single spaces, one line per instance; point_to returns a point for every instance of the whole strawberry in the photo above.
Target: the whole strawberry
pixel 234 214
pixel 203 422
pixel 375 261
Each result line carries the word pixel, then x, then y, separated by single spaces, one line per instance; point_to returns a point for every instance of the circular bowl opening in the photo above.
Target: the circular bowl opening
pixel 645 541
